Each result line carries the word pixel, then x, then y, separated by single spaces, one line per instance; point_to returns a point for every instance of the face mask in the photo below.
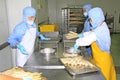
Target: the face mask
pixel 30 22
pixel 85 14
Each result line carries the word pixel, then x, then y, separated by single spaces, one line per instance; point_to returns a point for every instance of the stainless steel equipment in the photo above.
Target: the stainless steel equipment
pixel 68 43
pixel 72 51
pixel 47 67
pixel 53 43
pixel 47 53
pixel 54 70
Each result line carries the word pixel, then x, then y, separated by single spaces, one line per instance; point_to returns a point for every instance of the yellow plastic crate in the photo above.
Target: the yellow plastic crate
pixel 49 28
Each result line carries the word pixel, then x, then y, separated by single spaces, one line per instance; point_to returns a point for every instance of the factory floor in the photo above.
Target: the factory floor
pixel 115 52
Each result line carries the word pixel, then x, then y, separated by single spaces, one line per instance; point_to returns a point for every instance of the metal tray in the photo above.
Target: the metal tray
pixel 82 71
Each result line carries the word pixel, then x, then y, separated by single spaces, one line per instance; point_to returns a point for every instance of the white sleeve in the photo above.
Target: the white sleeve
pixel 86 33
pixel 87 39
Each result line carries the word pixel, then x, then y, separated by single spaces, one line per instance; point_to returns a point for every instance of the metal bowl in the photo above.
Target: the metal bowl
pixel 47 53
pixel 47 50
pixel 72 51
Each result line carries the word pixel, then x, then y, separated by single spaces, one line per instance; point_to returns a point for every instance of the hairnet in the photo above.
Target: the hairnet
pixel 87 7
pixel 29 11
pixel 97 16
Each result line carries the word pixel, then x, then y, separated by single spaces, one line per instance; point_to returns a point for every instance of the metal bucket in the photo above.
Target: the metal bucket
pixel 47 53
pixel 72 51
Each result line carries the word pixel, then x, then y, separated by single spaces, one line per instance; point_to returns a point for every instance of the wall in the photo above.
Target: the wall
pixel 3 22
pixel 109 6
pixel 52 11
pixel 14 11
pixel 5 54
pixel 42 10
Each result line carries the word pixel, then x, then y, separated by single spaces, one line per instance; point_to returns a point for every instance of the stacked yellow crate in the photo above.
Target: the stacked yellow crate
pixel 49 28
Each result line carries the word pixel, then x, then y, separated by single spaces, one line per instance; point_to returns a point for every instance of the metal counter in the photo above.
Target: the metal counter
pixel 37 60
pixel 53 43
pixel 70 43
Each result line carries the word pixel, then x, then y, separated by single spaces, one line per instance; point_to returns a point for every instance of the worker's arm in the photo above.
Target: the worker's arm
pixel 87 40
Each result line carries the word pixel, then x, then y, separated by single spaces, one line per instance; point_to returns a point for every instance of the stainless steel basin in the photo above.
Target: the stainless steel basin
pixel 47 53
pixel 71 50
pixel 47 50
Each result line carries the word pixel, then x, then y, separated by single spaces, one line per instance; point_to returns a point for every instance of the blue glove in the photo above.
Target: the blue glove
pixel 27 79
pixel 44 38
pixel 80 35
pixel 22 49
pixel 76 47
pixel 47 38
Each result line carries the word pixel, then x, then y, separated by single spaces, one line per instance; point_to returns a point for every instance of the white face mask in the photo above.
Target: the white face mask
pixel 85 14
pixel 30 22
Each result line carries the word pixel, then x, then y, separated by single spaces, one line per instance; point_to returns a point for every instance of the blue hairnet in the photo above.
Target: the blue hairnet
pixel 87 7
pixel 28 11
pixel 21 28
pixel 97 16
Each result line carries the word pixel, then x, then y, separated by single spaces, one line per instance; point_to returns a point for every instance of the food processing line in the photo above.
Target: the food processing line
pixel 55 70
pixel 53 43
pixel 48 62
pixel 51 66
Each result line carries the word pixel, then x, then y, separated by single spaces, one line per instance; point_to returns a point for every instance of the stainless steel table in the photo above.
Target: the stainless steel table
pixel 53 43
pixel 67 43
pixel 37 59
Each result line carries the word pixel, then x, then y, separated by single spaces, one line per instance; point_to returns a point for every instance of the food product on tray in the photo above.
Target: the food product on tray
pixel 71 35
pixel 6 77
pixel 22 73
pixel 77 63
pixel 70 55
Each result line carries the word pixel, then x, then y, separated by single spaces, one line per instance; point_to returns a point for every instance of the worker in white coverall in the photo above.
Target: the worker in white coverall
pixel 87 25
pixel 100 41
pixel 23 36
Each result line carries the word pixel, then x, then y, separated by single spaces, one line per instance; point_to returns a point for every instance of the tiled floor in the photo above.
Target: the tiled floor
pixel 115 51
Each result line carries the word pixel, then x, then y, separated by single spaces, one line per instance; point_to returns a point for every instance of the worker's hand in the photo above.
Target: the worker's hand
pixel 80 35
pixel 76 47
pixel 47 38
pixel 22 49
pixel 27 79
pixel 44 38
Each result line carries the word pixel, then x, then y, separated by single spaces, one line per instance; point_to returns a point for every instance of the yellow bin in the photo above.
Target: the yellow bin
pixel 49 28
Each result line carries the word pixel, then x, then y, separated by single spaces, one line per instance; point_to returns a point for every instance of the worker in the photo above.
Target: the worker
pixel 85 10
pixel 87 25
pixel 100 41
pixel 23 36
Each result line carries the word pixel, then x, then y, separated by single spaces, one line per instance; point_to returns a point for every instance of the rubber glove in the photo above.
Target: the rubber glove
pixel 27 79
pixel 44 38
pixel 76 47
pixel 22 49
pixel 80 35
